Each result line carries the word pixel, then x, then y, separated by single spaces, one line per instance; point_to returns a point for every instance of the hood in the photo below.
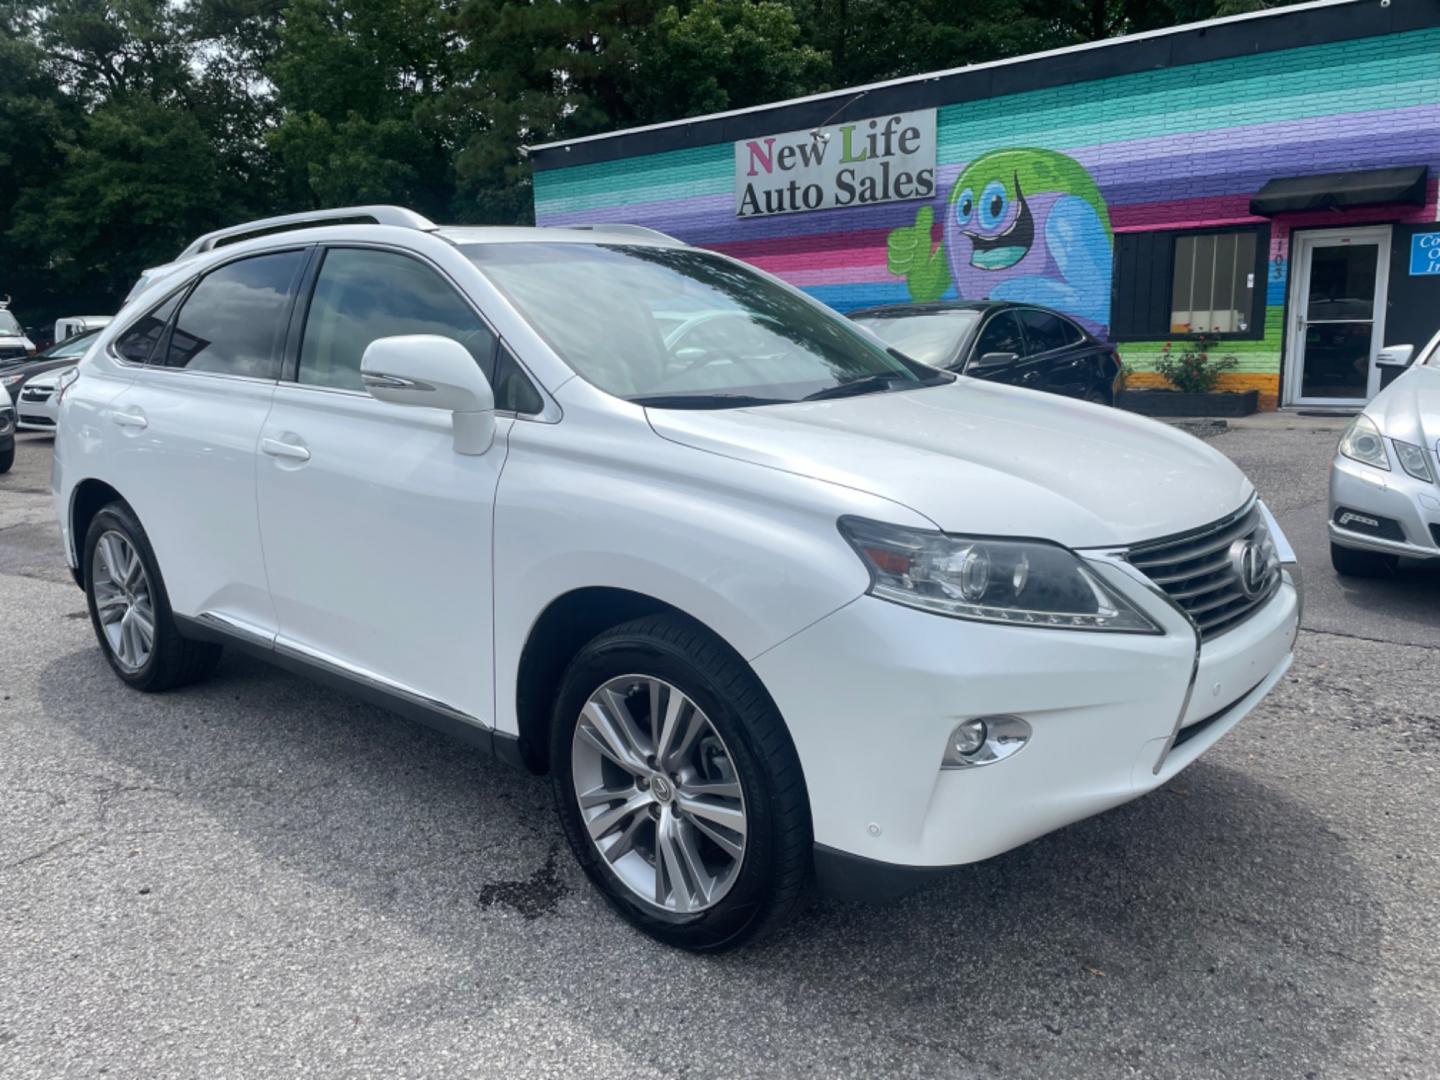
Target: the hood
pixel 1409 408
pixel 980 457
pixel 49 379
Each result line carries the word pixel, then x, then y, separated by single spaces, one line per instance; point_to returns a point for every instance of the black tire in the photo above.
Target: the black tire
pixel 1350 562
pixel 7 458
pixel 775 869
pixel 174 660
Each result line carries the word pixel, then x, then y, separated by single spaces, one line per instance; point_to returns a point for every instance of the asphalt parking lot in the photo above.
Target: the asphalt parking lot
pixel 259 877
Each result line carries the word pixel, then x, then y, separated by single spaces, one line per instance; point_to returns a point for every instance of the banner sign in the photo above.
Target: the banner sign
pixel 1425 253
pixel 854 163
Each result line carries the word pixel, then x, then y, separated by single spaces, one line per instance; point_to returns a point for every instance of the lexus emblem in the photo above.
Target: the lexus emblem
pixel 1247 560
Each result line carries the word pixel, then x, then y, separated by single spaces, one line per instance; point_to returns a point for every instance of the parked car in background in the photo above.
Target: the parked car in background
pixel 1384 499
pixel 14 344
pixel 1019 344
pixel 764 597
pixel 70 325
pixel 7 434
pixel 15 374
pixel 36 407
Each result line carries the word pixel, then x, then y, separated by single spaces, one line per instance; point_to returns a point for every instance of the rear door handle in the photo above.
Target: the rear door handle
pixel 281 449
pixel 130 419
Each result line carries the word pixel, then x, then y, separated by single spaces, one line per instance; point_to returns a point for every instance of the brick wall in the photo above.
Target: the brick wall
pixel 1173 149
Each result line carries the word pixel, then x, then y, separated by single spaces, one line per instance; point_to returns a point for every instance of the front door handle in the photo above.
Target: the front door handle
pixel 281 449
pixel 130 419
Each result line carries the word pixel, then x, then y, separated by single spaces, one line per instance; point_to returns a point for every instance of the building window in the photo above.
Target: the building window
pixel 1213 278
pixel 1210 281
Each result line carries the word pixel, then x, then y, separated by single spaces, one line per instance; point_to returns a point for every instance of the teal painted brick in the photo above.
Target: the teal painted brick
pixel 1325 80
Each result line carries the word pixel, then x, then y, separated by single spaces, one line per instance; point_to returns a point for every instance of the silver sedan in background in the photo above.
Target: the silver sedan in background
pixel 1384 498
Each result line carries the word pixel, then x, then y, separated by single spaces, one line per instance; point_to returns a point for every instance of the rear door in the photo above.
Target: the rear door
pixel 1056 358
pixel 187 429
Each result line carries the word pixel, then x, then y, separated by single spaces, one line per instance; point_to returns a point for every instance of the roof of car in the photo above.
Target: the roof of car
pixel 895 311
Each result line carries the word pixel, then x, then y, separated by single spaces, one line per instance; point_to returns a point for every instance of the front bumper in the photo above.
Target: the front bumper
pixel 1393 496
pixel 871 693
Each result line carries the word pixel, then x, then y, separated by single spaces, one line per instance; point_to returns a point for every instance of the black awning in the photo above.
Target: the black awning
pixel 1338 191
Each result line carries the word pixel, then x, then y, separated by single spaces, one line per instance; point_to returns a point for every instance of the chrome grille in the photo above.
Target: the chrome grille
pixel 1198 570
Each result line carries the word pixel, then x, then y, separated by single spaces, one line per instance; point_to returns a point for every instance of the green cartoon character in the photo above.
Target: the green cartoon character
pixel 1026 225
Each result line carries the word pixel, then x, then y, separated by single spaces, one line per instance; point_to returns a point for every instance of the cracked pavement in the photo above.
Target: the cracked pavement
pixel 260 877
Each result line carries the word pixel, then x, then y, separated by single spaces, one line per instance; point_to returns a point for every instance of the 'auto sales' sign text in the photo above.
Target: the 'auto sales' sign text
pixel 854 163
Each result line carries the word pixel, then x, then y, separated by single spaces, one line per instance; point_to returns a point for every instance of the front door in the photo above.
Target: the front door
pixel 376 533
pixel 1337 315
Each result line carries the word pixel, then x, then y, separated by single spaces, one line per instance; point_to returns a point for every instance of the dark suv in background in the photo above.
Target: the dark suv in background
pixel 1020 344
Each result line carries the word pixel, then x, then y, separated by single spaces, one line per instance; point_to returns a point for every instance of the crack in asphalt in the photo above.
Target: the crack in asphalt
pixel 1373 640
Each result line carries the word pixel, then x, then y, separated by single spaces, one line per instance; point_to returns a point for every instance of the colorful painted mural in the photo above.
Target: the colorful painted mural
pixel 1027 225
pixel 1173 148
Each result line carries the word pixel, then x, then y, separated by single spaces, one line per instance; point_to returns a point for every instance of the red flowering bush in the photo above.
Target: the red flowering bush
pixel 1192 371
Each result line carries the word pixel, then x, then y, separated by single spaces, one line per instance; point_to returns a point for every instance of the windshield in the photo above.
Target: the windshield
pixel 71 346
pixel 684 328
pixel 9 327
pixel 932 338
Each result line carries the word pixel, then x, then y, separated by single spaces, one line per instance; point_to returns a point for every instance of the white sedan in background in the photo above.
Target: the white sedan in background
pixel 1384 501
pixel 39 401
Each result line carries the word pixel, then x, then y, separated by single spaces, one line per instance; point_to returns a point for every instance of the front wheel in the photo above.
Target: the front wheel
pixel 1350 562
pixel 678 787
pixel 7 458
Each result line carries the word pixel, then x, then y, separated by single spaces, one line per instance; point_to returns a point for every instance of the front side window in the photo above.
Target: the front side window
pixel 138 342
pixel 1045 332
pixel 234 321
pixel 685 328
pixel 363 294
pixel 932 338
pixel 1001 335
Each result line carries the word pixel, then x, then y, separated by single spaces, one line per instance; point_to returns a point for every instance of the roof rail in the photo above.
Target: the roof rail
pixel 374 215
pixel 642 232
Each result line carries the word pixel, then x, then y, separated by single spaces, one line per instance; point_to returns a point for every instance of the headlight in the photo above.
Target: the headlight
pixel 1362 442
pixel 1020 582
pixel 1413 460
pixel 11 380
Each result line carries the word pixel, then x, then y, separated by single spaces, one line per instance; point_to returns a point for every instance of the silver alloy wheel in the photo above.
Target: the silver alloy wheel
pixel 123 600
pixel 659 794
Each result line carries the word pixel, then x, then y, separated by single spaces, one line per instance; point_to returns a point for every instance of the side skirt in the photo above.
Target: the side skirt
pixel 433 714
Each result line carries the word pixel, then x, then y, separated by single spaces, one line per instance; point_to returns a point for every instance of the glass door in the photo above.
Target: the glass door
pixel 1337 313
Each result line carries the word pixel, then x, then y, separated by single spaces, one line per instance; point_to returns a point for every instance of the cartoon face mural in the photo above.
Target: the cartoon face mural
pixel 1025 224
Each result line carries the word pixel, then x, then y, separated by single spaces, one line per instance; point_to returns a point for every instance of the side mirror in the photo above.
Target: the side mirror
pixel 1397 356
pixel 433 372
pixel 991 362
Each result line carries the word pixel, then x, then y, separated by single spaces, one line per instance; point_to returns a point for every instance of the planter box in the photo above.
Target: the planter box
pixel 1174 403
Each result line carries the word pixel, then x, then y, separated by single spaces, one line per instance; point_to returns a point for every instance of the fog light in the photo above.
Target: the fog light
pixel 968 737
pixel 984 740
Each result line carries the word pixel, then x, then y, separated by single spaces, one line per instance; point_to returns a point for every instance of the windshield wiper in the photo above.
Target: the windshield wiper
pixel 870 384
pixel 704 401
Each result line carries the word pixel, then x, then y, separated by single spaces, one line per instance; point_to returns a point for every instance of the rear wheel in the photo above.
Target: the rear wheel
pixel 1350 562
pixel 130 610
pixel 678 787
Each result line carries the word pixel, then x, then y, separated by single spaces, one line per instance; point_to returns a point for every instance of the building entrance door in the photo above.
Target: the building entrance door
pixel 1337 315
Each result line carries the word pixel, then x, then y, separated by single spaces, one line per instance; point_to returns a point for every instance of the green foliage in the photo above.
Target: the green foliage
pixel 127 127
pixel 1192 371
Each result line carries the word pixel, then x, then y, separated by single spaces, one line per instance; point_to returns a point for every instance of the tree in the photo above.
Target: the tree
pixel 357 84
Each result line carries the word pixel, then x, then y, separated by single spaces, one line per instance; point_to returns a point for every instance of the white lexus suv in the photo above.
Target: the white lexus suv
pixel 767 600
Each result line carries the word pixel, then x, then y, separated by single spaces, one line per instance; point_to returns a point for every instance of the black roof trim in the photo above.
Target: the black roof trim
pixel 1277 30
